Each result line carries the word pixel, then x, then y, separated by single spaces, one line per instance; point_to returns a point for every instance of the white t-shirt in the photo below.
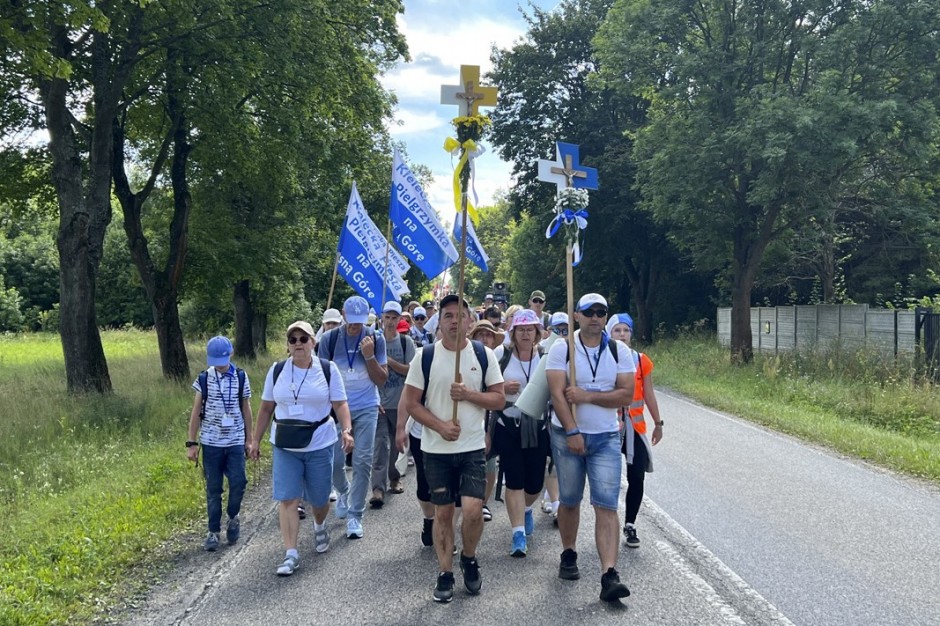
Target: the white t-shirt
pixel 520 371
pixel 310 394
pixel 592 419
pixel 470 416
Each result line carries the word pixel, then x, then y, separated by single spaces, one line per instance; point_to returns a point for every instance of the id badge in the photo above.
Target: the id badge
pixel 352 374
pixel 295 410
pixel 228 421
pixel 592 387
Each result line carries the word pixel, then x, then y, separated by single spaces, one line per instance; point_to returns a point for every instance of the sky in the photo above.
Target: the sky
pixel 442 35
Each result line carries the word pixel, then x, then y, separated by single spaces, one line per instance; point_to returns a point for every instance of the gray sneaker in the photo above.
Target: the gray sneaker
pixel 233 530
pixel 290 564
pixel 211 544
pixel 322 538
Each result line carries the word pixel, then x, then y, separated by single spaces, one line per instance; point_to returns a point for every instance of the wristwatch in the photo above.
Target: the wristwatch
pixel 660 422
pixel 190 444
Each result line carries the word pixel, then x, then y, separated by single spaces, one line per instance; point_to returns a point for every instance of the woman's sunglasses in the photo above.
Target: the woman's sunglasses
pixel 594 312
pixel 295 339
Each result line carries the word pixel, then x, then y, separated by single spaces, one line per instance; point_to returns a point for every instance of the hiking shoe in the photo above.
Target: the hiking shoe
pixel 529 522
pixel 233 531
pixel 342 508
pixel 322 538
pixel 487 515
pixel 631 540
pixel 519 544
pixel 444 591
pixel 611 587
pixel 353 528
pixel 378 499
pixel 211 544
pixel 301 511
pixel 290 564
pixel 568 570
pixel 471 574
pixel 427 533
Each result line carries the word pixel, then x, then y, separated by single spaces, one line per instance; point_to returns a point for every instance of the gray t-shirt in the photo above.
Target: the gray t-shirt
pixel 390 394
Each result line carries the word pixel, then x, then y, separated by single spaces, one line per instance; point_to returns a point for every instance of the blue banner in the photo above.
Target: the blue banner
pixel 360 226
pixel 356 269
pixel 416 227
pixel 475 251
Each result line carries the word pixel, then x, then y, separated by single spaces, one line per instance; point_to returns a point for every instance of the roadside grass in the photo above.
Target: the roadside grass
pixel 855 402
pixel 91 487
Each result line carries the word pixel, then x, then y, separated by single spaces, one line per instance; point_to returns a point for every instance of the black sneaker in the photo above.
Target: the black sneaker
pixel 611 587
pixel 568 570
pixel 427 535
pixel 632 540
pixel 301 511
pixel 444 591
pixel 471 574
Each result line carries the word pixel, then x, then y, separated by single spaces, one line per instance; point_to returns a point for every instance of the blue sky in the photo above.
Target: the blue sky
pixel 443 35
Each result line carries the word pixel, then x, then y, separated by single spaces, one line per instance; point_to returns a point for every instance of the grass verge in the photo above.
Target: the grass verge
pixel 856 403
pixel 91 488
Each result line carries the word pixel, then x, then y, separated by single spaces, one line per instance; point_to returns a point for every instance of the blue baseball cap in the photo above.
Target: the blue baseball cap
pixel 356 310
pixel 219 351
pixel 619 318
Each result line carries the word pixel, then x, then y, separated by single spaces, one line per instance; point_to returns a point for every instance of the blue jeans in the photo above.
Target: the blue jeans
pixel 601 463
pixel 363 425
pixel 228 461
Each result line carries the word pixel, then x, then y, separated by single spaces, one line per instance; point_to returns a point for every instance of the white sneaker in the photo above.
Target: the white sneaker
pixel 353 528
pixel 322 538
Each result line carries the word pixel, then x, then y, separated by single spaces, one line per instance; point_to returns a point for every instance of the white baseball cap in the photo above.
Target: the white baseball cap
pixel 590 299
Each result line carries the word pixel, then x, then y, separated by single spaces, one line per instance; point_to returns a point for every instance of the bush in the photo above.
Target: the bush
pixel 11 317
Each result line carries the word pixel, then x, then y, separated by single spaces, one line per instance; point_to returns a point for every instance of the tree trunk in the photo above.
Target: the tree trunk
pixel 166 321
pixel 742 348
pixel 260 332
pixel 643 278
pixel 244 321
pixel 84 214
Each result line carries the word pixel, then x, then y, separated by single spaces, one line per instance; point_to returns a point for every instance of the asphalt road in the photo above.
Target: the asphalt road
pixel 740 526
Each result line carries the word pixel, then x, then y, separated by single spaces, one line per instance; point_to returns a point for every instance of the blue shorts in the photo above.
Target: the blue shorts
pixel 601 464
pixel 303 474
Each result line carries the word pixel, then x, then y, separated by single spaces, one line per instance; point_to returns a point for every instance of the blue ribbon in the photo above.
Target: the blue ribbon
pixel 569 218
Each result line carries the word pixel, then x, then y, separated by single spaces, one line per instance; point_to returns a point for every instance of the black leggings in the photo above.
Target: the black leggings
pixel 523 468
pixel 636 472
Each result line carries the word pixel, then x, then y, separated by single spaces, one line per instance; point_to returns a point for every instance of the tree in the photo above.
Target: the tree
pixel 763 114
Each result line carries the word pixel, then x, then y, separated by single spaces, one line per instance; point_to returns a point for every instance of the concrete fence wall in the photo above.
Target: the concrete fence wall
pixel 774 329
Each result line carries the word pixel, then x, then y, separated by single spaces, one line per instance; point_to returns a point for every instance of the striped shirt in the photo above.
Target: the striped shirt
pixel 223 424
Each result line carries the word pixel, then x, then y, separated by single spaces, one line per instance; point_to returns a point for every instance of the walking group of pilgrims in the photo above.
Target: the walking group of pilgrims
pixel 365 395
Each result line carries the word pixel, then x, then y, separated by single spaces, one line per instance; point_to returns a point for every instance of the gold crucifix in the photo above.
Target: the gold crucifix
pixel 469 95
pixel 568 171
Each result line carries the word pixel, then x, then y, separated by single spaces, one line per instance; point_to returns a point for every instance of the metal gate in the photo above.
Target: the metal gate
pixel 927 326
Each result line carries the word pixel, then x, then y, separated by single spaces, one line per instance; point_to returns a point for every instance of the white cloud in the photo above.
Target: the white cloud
pixel 408 122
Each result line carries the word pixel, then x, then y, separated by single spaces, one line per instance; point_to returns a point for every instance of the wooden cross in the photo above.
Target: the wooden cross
pixel 469 95
pixel 565 171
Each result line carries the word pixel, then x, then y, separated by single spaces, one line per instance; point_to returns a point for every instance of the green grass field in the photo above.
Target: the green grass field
pixel 92 488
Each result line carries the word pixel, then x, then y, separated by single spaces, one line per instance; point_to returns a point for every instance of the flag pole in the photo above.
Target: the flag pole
pixel 569 279
pixel 329 298
pixel 388 245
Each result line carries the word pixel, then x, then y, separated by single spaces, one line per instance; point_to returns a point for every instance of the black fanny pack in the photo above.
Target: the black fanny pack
pixel 296 433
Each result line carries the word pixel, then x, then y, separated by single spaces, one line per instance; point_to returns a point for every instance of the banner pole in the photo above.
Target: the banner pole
pixel 329 298
pixel 388 245
pixel 569 279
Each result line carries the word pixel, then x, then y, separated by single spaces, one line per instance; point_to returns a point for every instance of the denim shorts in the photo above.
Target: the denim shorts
pixel 303 474
pixel 450 475
pixel 601 464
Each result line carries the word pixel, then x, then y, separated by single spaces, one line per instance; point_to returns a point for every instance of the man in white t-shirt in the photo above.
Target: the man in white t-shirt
pixel 454 461
pixel 587 443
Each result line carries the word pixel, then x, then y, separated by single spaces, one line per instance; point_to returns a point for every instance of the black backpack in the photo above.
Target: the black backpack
pixel 605 339
pixel 324 365
pixel 204 388
pixel 427 355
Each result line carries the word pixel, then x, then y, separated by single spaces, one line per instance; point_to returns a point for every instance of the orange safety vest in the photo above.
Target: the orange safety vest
pixel 644 367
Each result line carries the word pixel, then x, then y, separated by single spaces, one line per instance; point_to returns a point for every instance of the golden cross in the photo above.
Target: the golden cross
pixel 469 95
pixel 568 171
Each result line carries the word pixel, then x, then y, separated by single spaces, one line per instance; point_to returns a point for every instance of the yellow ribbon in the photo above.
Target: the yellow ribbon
pixel 469 146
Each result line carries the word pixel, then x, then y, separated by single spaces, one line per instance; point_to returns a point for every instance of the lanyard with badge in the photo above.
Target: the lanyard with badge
pixel 296 409
pixel 595 366
pixel 228 419
pixel 351 372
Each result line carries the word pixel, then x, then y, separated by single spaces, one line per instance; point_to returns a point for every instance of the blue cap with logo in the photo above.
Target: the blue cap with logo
pixel 219 351
pixel 356 310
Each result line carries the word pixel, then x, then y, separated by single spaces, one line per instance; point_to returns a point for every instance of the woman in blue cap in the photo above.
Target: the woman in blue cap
pixel 636 445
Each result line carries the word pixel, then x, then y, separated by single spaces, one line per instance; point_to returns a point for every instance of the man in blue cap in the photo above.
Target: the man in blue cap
pixel 359 353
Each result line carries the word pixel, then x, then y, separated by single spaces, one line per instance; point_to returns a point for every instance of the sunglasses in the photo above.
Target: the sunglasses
pixel 594 312
pixel 538 301
pixel 295 339
pixel 420 318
